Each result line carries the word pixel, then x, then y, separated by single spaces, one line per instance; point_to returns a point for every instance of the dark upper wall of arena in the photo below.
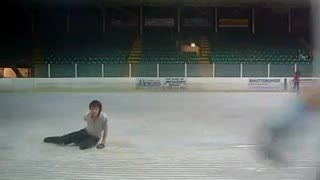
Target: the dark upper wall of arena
pixel 224 3
pixel 25 21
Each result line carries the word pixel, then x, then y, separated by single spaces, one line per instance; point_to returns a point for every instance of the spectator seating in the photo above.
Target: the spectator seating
pixel 255 49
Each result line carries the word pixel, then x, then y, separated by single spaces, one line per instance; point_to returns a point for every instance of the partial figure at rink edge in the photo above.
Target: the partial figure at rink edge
pixel 280 127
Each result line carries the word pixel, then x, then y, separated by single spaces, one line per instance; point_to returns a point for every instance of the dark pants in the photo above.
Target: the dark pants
pixel 81 138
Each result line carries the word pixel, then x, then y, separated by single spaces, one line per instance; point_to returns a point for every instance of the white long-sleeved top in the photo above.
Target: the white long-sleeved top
pixel 97 126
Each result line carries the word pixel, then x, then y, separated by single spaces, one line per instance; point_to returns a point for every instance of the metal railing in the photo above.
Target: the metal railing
pixel 170 70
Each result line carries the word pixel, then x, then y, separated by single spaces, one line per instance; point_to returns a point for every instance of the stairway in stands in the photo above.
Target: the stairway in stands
pixel 37 56
pixel 136 51
pixel 1 72
pixel 205 50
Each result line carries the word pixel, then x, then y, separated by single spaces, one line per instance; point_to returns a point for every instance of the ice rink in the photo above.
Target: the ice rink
pixel 151 136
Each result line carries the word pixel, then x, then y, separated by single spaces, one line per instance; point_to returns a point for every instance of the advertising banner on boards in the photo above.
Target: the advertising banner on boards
pixel 265 84
pixel 161 83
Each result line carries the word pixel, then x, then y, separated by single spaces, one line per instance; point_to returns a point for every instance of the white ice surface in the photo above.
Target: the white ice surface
pixel 151 136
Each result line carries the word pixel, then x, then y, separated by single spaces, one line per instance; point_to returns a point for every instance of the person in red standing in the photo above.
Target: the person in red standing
pixel 296 81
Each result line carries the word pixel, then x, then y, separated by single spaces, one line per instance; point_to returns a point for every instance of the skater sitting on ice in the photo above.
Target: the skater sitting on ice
pixel 97 122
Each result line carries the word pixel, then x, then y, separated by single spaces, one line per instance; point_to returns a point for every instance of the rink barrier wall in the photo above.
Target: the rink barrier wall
pixel 148 84
pixel 66 84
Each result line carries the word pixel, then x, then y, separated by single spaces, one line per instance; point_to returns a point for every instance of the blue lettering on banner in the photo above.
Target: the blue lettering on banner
pixel 265 84
pixel 175 82
pixel 148 83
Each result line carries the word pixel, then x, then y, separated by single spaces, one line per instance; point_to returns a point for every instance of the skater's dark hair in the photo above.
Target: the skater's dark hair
pixel 96 103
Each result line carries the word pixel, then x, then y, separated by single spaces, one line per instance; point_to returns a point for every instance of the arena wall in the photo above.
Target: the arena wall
pixel 148 84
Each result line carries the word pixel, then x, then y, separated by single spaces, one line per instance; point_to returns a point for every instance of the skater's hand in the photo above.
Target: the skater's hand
pixel 100 146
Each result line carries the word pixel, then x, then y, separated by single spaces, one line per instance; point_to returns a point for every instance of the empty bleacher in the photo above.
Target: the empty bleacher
pixel 228 52
pixel 164 48
pixel 88 52
pixel 254 53
pixel 256 49
pixel 112 48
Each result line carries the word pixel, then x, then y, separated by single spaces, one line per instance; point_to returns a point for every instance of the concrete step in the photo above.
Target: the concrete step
pixel 137 48
pixel 203 61
pixel 133 61
pixel 134 58
pixel 136 51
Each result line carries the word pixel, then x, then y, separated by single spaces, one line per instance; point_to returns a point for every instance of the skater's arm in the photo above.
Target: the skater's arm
pixel 105 132
pixel 85 116
pixel 104 135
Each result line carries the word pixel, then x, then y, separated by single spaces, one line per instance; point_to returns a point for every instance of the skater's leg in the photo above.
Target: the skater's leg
pixel 73 137
pixel 53 139
pixel 291 117
pixel 88 143
pixel 295 112
pixel 280 127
